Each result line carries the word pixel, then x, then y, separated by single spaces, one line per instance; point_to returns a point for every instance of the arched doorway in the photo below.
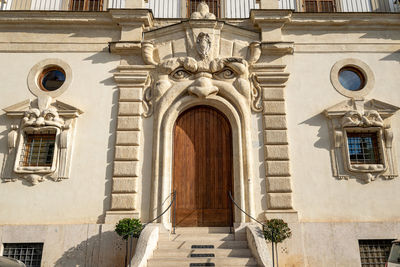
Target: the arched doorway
pixel 202 168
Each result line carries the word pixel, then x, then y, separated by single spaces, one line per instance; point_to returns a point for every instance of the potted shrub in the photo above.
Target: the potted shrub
pixel 128 228
pixel 275 231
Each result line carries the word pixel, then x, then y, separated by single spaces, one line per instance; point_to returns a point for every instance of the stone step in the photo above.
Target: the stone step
pixel 196 236
pixel 203 230
pixel 187 244
pixel 182 253
pixel 187 261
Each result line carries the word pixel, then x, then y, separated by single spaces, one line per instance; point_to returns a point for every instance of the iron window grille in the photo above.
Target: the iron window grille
pixel 28 253
pixel 86 5
pixel 363 148
pixel 38 149
pixel 374 252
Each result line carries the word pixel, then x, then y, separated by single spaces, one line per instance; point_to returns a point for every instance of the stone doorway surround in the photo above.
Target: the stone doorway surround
pixel 202 62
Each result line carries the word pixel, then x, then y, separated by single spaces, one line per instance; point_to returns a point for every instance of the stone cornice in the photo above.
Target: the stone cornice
pixel 111 17
pixel 144 16
pixel 345 19
pixel 55 17
pixel 260 16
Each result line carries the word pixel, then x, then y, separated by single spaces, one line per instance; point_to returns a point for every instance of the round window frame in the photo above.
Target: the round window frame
pixel 37 71
pixel 43 74
pixel 362 68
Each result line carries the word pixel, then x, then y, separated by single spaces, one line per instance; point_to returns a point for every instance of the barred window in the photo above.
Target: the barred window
pixel 38 149
pixel 28 253
pixel 86 5
pixel 363 148
pixel 375 252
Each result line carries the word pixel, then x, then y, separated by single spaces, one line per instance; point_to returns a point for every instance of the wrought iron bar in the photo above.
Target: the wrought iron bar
pixel 130 234
pixel 263 225
pixel 251 217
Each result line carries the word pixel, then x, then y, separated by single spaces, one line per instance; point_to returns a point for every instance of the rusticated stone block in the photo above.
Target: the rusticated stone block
pixel 130 108
pixel 126 168
pixel 277 168
pixel 273 94
pixel 125 185
pixel 123 201
pixel 275 137
pixel 126 153
pixel 274 107
pixel 129 123
pixel 277 122
pixel 279 201
pixel 276 152
pixel 279 185
pixel 128 138
pixel 130 94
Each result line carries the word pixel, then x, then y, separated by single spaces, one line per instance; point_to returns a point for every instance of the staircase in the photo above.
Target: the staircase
pixel 202 246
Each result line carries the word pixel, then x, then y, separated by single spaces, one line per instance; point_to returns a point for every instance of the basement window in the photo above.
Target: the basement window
pixel 28 253
pixel 374 252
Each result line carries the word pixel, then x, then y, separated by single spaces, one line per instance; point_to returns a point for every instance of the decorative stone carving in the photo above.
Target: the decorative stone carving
pixel 203 44
pixel 362 116
pixel 38 117
pixel 195 70
pixel 203 12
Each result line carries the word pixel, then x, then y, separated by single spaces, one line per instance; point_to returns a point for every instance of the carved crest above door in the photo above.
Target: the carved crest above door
pixel 201 57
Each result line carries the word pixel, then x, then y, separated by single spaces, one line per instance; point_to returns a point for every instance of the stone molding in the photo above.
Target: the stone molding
pixel 359 65
pixel 37 69
pixel 361 116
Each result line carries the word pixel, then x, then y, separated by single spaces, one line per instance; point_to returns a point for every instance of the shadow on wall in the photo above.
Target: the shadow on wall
pixel 323 133
pixel 110 84
pixel 110 156
pixel 102 250
pixel 393 57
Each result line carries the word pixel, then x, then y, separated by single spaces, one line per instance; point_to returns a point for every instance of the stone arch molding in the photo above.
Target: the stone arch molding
pixel 193 69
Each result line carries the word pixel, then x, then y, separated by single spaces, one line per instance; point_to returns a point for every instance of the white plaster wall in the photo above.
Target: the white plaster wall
pixel 85 196
pixel 71 245
pixel 318 196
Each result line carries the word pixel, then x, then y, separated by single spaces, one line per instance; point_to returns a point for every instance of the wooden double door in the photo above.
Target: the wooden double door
pixel 202 168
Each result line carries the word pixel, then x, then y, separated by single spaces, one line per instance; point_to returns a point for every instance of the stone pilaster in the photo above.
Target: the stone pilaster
pixel 276 149
pixel 131 80
pixel 128 143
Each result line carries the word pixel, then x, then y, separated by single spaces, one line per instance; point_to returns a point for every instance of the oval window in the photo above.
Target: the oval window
pixel 351 78
pixel 51 79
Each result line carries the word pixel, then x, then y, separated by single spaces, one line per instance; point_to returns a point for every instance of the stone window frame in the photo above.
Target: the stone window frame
pixel 365 167
pixel 37 70
pixel 362 67
pixel 38 116
pixel 20 147
pixel 361 116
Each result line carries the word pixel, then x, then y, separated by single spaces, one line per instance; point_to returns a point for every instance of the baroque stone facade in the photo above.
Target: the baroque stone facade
pixel 276 78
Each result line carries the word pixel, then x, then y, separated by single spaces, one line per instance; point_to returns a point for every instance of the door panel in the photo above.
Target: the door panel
pixel 202 168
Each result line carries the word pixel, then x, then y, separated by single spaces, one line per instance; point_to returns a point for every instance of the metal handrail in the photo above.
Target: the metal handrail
pixel 169 206
pixel 263 225
pixel 251 217
pixel 144 225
